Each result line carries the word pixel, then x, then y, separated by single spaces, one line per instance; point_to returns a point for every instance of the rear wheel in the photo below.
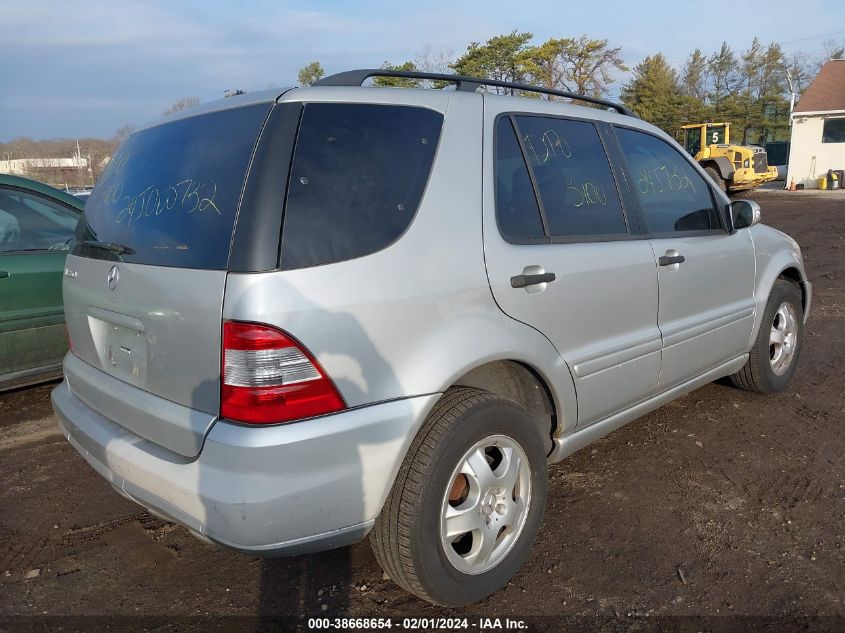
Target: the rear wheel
pixel 717 177
pixel 467 502
pixel 773 357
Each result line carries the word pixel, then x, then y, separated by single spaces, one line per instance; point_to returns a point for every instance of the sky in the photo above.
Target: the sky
pixel 73 68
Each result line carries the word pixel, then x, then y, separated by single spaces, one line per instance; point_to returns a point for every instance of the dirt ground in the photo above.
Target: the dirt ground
pixel 721 503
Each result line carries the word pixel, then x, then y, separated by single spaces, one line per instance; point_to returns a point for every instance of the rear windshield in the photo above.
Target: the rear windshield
pixel 170 193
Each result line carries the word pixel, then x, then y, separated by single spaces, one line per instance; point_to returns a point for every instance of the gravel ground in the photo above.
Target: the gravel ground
pixel 723 503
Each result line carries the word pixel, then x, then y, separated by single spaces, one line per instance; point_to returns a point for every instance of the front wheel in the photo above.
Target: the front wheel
pixel 775 352
pixel 716 177
pixel 467 502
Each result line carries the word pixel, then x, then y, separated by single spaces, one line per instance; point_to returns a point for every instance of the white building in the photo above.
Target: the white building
pixel 818 127
pixel 24 166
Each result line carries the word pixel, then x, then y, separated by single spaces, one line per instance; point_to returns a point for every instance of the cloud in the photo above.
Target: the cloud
pixel 87 67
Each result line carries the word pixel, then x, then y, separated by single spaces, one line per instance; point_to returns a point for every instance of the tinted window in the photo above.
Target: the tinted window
pixel 573 176
pixel 29 222
pixel 516 207
pixel 171 192
pixel 834 131
pixel 357 178
pixel 673 195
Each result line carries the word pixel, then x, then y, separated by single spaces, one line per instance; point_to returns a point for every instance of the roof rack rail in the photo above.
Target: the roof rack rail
pixel 462 83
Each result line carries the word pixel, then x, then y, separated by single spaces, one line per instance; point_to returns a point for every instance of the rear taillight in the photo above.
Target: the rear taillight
pixel 269 377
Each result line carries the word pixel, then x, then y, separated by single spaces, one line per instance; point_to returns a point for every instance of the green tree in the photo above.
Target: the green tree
pixel 749 87
pixel 724 82
pixel 694 83
pixel 584 66
pixel 397 82
pixel 310 74
pixel 771 118
pixel 695 76
pixel 499 59
pixel 653 92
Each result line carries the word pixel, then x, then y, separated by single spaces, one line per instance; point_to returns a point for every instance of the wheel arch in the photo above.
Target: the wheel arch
pixel 786 265
pixel 721 164
pixel 521 383
pixel 794 276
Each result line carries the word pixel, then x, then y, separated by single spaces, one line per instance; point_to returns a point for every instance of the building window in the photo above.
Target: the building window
pixel 834 131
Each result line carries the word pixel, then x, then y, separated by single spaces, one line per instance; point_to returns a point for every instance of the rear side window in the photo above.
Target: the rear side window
pixel 358 174
pixel 573 176
pixel 673 195
pixel 170 194
pixel 516 206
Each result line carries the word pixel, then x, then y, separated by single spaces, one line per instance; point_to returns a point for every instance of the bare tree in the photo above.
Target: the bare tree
pixel 427 60
pixel 123 132
pixel 182 104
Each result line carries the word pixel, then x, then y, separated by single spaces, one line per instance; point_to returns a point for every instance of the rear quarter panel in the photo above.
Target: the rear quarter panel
pixel 412 318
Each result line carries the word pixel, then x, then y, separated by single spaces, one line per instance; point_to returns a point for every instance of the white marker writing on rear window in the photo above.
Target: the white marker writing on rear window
pixel 188 196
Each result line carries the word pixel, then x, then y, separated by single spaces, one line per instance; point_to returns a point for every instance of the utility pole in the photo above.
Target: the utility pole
pixel 791 108
pixel 792 98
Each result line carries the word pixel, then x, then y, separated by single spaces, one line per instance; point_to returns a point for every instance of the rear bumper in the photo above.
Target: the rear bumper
pixel 270 491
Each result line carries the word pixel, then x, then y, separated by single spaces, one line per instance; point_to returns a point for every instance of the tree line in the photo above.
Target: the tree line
pixel 751 88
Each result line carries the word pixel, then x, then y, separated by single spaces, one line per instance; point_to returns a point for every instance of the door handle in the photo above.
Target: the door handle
pixel 668 260
pixel 4 274
pixel 522 281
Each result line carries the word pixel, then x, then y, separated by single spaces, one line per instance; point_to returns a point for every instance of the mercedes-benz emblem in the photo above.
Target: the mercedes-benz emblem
pixel 113 278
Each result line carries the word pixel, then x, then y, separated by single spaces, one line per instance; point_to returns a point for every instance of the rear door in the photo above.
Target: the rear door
pixel 144 286
pixel 553 208
pixel 705 274
pixel 34 236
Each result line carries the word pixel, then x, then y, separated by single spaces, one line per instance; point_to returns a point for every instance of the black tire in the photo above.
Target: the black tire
pixel 406 536
pixel 758 374
pixel 717 177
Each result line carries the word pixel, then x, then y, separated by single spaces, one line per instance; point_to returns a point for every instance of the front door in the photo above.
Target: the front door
pixel 562 257
pixel 34 238
pixel 705 274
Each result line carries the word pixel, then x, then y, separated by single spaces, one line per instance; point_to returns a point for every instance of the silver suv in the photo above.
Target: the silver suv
pixel 304 316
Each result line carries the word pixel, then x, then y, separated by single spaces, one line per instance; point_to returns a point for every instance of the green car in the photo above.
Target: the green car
pixel 37 224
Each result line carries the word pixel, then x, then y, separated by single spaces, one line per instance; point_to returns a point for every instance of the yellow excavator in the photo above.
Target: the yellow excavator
pixel 732 167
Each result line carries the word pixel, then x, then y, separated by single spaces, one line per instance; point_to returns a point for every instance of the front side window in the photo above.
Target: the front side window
pixel 573 177
pixel 833 131
pixel 673 195
pixel 29 222
pixel 358 175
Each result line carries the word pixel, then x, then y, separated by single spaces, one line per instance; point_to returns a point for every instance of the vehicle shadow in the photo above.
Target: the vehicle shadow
pixel 313 585
pixel 293 589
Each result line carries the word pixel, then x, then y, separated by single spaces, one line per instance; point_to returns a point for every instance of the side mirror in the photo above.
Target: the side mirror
pixel 744 213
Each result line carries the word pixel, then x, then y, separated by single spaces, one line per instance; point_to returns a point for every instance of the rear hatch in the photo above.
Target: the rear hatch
pixel 143 287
